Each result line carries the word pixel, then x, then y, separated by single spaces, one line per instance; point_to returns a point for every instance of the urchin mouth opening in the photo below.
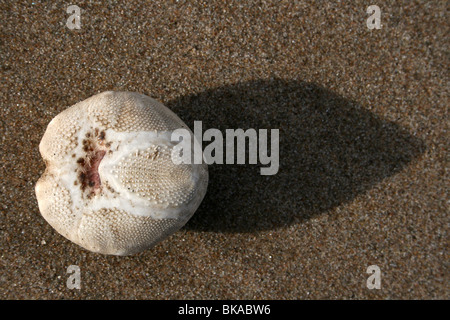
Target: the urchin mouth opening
pixel 88 165
pixel 89 176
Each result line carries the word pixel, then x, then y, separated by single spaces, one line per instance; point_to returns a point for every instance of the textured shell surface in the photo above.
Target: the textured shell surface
pixel 110 185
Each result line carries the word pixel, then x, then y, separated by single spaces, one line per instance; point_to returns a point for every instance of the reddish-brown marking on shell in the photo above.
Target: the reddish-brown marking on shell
pixel 88 165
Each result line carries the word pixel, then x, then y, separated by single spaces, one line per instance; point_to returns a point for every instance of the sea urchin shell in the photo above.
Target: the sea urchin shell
pixel 110 185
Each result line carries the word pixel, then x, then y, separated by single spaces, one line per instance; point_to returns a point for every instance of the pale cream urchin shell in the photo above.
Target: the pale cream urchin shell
pixel 110 184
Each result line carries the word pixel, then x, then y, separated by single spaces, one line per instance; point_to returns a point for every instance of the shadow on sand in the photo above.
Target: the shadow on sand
pixel 331 150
